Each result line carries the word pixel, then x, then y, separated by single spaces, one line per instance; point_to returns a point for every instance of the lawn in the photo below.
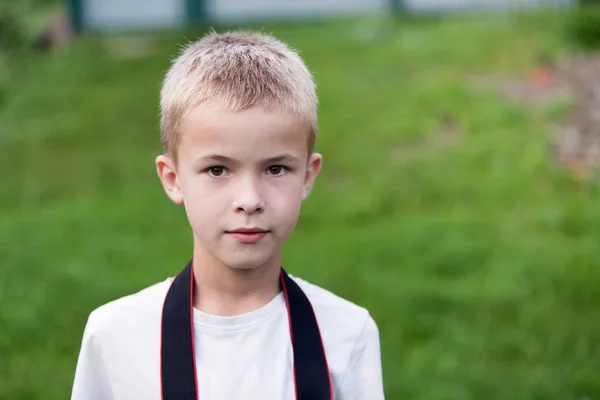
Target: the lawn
pixel 438 209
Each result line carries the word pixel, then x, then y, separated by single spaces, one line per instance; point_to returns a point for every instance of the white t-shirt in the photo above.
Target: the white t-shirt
pixel 242 357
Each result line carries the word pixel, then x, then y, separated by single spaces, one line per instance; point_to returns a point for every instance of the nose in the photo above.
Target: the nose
pixel 248 197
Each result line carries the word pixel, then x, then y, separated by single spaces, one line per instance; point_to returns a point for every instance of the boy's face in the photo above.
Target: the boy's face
pixel 241 177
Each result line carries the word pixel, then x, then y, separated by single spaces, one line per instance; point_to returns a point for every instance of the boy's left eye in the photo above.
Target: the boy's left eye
pixel 276 170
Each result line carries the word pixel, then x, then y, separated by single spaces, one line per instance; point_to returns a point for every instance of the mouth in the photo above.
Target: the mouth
pixel 248 235
pixel 248 230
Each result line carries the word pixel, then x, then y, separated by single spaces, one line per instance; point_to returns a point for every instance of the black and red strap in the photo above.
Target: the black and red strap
pixel 312 378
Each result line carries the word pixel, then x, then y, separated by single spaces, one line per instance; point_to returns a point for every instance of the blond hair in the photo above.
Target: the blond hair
pixel 236 70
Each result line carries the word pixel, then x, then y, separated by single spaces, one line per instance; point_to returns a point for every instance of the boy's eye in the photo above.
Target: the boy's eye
pixel 276 170
pixel 216 171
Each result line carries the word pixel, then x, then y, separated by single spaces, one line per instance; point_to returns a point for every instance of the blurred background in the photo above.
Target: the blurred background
pixel 458 201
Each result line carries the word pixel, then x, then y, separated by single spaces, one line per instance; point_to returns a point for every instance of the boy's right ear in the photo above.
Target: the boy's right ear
pixel 168 176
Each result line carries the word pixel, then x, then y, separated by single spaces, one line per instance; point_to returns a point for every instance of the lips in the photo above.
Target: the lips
pixel 248 235
pixel 248 230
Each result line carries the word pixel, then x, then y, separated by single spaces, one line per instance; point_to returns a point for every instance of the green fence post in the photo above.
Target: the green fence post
pixel 397 6
pixel 75 8
pixel 195 11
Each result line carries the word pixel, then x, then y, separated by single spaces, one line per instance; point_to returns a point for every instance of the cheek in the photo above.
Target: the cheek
pixel 201 200
pixel 286 199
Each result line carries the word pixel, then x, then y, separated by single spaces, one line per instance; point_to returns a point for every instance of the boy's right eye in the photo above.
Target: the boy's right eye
pixel 216 171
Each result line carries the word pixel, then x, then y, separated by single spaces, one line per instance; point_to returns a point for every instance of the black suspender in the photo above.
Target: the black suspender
pixel 178 364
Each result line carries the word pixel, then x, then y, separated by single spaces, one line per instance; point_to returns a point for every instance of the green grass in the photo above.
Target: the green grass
pixel 477 258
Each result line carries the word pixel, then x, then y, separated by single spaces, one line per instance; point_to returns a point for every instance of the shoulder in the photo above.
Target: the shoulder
pixel 128 312
pixel 326 302
pixel 340 319
pixel 351 339
pixel 116 342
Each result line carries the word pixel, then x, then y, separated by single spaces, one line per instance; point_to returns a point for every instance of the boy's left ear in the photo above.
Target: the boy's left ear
pixel 314 166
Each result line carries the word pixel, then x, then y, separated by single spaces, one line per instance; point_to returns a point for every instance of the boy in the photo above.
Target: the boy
pixel 238 126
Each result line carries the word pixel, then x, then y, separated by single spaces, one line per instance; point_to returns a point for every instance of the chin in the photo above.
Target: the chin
pixel 247 261
pixel 243 266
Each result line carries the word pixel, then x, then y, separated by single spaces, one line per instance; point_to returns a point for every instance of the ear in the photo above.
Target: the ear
pixel 165 167
pixel 312 170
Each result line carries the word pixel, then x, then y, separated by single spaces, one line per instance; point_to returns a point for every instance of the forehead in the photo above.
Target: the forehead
pixel 254 131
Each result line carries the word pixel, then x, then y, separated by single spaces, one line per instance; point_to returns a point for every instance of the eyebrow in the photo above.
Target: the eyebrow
pixel 224 159
pixel 215 158
pixel 282 158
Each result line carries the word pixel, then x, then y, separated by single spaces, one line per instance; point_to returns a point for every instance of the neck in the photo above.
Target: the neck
pixel 225 291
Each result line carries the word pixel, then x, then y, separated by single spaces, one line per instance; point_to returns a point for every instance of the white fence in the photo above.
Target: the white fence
pixel 228 10
pixel 148 14
pixel 483 5
pixel 123 14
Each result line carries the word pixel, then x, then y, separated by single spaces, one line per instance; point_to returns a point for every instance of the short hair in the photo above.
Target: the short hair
pixel 236 70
